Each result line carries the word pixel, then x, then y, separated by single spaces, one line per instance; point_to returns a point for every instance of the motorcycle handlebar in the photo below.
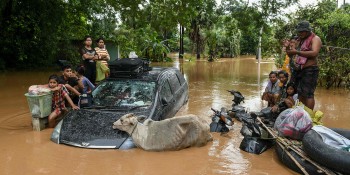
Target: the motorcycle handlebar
pixel 214 110
pixel 224 117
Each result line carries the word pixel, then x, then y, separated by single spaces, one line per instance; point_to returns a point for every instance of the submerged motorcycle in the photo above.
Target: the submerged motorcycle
pixel 237 110
pixel 220 121
pixel 223 118
pixel 255 139
pixel 237 97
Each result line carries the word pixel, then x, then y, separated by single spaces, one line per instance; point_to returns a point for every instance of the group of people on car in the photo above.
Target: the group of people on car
pixel 72 84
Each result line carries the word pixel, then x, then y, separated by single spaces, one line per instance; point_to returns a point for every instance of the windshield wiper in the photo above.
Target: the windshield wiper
pixel 123 108
pixel 115 108
pixel 100 107
pixel 133 108
pixel 111 109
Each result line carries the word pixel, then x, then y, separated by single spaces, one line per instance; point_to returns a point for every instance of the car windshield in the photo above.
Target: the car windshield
pixel 121 93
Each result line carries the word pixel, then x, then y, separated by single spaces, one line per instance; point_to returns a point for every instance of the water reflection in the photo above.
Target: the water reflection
pixel 34 153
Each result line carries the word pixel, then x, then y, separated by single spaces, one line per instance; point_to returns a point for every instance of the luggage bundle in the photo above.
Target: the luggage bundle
pixel 293 123
pixel 128 67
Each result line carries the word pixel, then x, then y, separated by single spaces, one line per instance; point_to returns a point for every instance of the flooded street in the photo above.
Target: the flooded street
pixel 23 151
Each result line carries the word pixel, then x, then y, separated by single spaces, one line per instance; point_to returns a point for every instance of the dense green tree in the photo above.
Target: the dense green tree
pixel 251 18
pixel 161 16
pixel 231 36
pixel 36 33
pixel 204 20
pixel 28 31
pixel 332 25
pixel 334 59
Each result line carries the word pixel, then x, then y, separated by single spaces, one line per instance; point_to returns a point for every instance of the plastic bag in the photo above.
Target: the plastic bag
pixel 316 120
pixel 293 123
pixel 133 55
pixel 316 116
pixel 38 90
pixel 255 145
pixel 250 129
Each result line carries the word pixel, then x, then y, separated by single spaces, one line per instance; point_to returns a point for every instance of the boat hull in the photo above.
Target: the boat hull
pixel 328 156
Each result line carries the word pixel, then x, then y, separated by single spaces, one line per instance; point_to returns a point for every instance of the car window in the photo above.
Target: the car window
pixel 180 78
pixel 124 93
pixel 174 82
pixel 165 91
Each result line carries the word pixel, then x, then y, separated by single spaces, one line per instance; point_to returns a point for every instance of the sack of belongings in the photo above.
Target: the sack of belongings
pixel 293 123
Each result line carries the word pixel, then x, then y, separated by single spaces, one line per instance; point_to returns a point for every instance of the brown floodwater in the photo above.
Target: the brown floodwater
pixel 23 151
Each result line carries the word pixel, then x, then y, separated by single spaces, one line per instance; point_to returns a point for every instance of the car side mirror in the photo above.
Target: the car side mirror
pixel 164 102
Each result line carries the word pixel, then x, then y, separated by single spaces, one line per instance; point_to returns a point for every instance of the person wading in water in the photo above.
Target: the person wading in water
pixel 306 62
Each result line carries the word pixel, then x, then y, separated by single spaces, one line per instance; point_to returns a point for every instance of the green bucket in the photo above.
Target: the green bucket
pixel 39 105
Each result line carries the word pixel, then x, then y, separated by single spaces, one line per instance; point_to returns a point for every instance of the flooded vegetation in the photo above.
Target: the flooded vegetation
pixel 28 152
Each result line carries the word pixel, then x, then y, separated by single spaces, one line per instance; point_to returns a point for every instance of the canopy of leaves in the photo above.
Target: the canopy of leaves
pixel 37 33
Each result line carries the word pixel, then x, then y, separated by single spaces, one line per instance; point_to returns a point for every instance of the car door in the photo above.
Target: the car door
pixel 177 92
pixel 182 88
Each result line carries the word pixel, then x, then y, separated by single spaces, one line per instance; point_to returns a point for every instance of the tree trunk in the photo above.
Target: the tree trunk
pixel 198 43
pixel 182 38
pixel 181 52
pixel 259 46
pixel 165 43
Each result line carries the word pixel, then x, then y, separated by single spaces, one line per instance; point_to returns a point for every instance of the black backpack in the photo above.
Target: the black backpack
pixel 128 67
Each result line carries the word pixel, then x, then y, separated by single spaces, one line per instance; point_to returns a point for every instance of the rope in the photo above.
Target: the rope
pixel 132 132
pixel 301 153
pixel 293 159
pixel 130 135
pixel 285 143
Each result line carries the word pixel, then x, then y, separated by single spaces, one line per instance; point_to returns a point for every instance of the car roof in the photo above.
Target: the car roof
pixel 152 75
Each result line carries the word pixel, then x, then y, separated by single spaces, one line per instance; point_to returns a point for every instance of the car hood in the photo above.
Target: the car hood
pixel 93 129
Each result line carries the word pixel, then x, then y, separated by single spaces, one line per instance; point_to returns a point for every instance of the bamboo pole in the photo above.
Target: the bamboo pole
pixel 289 144
pixel 288 153
pixel 294 160
pixel 304 156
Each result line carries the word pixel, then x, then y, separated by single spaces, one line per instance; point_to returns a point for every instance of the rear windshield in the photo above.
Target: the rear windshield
pixel 121 93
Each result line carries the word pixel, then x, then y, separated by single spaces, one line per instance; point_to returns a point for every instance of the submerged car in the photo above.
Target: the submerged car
pixel 157 93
